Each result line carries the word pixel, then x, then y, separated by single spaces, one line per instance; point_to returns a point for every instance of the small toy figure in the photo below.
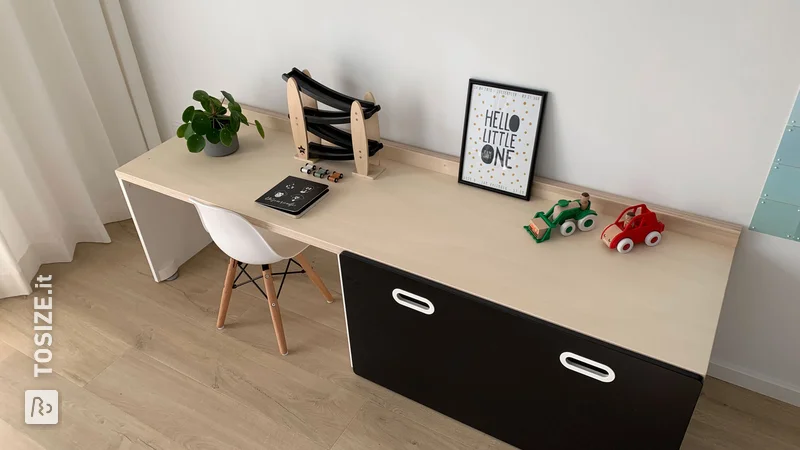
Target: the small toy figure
pixel 636 224
pixel 628 217
pixel 567 215
pixel 335 176
pixel 321 173
pixel 308 169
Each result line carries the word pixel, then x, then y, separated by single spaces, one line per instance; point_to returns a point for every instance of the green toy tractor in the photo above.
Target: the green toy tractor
pixel 566 215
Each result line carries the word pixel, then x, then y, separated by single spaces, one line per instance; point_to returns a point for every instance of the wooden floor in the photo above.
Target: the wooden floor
pixel 140 365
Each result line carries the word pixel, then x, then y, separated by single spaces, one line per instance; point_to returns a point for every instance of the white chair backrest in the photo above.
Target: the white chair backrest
pixel 237 237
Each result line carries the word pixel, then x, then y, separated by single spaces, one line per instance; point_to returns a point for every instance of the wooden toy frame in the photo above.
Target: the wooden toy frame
pixel 313 132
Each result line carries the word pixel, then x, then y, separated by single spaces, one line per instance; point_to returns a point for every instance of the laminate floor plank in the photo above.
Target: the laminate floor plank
pixel 6 351
pixel 189 413
pixel 730 417
pixel 289 395
pixel 760 408
pixel 378 428
pixel 15 439
pixel 86 421
pixel 81 351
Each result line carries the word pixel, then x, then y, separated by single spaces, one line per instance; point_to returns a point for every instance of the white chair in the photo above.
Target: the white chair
pixel 246 244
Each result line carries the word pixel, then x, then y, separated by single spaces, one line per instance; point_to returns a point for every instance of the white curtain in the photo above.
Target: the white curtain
pixel 72 109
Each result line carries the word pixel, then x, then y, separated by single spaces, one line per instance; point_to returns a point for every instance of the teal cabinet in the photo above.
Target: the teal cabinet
pixel 794 118
pixel 789 149
pixel 777 219
pixel 778 209
pixel 783 184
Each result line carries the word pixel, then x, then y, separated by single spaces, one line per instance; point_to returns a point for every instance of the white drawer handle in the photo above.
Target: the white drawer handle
pixel 586 366
pixel 413 301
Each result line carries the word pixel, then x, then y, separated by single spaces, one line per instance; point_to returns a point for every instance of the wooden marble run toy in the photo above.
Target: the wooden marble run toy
pixel 316 137
pixel 636 224
pixel 566 215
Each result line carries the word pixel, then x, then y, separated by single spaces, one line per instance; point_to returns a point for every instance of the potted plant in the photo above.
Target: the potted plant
pixel 215 123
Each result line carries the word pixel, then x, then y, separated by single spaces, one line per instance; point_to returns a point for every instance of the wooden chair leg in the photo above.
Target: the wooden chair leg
pixel 274 309
pixel 306 264
pixel 226 294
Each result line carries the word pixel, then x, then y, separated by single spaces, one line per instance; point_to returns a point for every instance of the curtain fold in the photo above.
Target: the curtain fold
pixel 66 122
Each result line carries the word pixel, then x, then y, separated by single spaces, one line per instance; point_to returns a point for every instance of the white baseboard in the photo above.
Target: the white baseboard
pixel 756 382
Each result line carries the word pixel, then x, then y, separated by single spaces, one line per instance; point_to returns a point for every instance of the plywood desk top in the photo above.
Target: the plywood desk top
pixel 663 302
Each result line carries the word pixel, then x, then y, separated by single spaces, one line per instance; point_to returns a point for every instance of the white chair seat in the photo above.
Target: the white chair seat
pixel 282 246
pixel 241 240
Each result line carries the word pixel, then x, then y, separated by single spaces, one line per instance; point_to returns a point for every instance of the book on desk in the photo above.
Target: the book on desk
pixel 293 196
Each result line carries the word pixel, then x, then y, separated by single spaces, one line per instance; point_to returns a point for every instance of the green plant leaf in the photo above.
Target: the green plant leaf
pixel 226 137
pixel 189 131
pixel 182 130
pixel 228 97
pixel 213 136
pixel 233 106
pixel 260 129
pixel 238 117
pixel 206 104
pixel 234 125
pixel 215 101
pixel 243 119
pixel 201 123
pixel 187 114
pixel 196 143
pixel 199 95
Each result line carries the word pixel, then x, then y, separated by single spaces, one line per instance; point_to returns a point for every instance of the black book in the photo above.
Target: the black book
pixel 293 196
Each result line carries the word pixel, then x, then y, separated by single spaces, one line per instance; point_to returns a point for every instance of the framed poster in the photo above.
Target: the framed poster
pixel 501 136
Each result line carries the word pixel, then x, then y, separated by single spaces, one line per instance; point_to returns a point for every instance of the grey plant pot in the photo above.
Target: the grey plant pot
pixel 220 149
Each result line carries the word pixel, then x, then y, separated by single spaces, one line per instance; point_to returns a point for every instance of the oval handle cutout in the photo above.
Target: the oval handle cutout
pixel 413 301
pixel 586 366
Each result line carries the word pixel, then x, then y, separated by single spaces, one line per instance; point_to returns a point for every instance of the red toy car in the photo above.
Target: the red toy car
pixel 636 224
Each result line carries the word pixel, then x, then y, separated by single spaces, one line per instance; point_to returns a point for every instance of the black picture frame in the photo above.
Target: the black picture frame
pixel 467 114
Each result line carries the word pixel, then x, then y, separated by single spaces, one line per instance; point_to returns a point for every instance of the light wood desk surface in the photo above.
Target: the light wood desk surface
pixel 663 302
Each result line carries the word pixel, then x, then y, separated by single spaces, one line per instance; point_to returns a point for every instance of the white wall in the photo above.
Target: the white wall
pixel 678 103
pixel 758 339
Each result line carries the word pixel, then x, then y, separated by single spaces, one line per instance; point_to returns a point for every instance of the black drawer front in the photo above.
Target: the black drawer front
pixel 500 371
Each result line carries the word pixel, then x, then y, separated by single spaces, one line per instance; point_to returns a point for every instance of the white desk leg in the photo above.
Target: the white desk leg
pixel 169 229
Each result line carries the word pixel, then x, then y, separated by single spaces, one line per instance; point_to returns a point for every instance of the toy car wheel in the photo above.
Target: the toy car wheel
pixel 653 238
pixel 568 227
pixel 587 223
pixel 625 245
